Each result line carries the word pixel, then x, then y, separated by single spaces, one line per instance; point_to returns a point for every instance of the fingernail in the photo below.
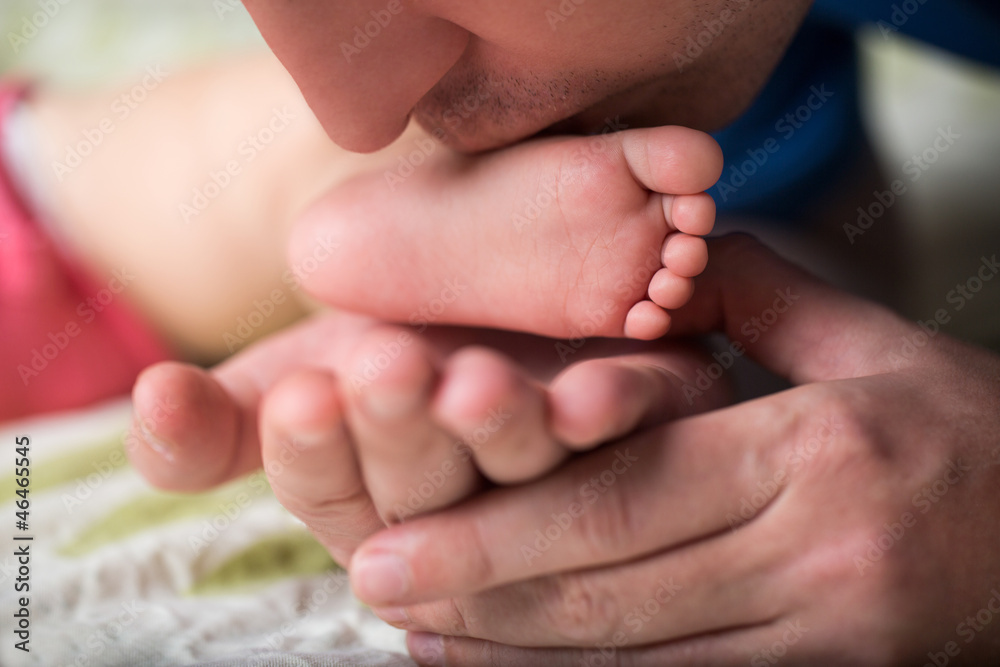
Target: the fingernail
pixel 393 615
pixel 381 579
pixel 161 447
pixel 426 649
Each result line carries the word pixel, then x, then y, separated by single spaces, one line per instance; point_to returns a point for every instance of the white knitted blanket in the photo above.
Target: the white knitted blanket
pixel 120 574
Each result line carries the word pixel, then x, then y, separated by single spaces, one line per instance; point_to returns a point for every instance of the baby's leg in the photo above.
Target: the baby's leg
pixel 193 191
pixel 565 237
pixel 150 222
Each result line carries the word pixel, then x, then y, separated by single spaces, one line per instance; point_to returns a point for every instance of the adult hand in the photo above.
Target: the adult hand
pixel 854 519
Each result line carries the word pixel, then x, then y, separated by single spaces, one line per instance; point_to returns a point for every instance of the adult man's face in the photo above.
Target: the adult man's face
pixel 484 73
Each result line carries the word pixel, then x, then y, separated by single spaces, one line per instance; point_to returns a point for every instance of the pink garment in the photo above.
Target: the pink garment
pixel 68 338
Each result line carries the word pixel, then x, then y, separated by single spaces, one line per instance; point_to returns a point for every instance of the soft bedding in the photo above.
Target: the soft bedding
pixel 121 574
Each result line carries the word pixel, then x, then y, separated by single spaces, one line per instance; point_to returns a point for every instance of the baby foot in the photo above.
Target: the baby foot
pixel 355 413
pixel 564 237
pixel 412 430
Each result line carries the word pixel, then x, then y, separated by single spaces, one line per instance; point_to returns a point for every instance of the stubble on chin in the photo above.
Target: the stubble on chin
pixel 483 111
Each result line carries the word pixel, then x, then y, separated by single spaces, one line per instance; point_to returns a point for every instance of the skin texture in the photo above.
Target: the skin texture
pixel 609 254
pixel 799 578
pixel 850 495
pixel 523 70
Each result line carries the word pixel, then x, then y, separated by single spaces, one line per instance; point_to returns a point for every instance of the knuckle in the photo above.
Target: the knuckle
pixel 480 568
pixel 836 422
pixel 580 611
pixel 605 529
pixel 462 620
pixel 459 651
pixel 344 516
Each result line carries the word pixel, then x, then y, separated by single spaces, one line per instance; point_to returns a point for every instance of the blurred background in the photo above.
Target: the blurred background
pixel 952 212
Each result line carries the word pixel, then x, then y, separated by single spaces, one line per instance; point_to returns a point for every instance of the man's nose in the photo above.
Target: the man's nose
pixel 361 65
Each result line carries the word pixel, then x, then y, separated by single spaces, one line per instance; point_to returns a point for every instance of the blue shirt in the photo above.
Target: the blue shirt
pixel 804 130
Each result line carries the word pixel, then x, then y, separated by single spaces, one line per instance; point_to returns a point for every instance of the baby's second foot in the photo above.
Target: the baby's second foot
pixel 414 428
pixel 566 237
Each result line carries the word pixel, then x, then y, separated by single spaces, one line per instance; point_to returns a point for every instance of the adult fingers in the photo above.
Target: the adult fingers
pixel 655 491
pixel 794 324
pixel 662 597
pixel 732 648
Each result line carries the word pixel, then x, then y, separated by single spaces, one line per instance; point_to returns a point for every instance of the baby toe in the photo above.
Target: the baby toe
pixel 669 290
pixel 685 255
pixel 185 428
pixel 646 321
pixel 501 415
pixel 691 214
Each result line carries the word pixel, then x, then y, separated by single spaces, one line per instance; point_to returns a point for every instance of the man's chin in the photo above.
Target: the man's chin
pixel 474 135
pixel 478 132
pixel 481 136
